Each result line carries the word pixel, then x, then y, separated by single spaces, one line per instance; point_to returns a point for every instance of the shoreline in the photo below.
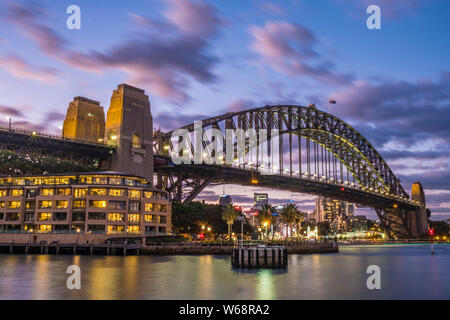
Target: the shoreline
pixel 137 249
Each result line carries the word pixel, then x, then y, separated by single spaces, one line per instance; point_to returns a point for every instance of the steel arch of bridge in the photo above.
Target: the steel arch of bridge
pixel 321 155
pixel 327 148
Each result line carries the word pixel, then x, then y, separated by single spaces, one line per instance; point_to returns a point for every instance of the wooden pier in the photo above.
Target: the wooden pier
pixel 110 249
pixel 259 257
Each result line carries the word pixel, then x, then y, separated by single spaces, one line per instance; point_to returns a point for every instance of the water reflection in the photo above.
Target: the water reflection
pixel 407 272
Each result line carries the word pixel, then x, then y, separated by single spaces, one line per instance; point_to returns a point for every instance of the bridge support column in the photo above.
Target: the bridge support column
pixel 129 126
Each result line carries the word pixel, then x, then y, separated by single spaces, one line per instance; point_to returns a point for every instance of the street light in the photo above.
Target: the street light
pixel 242 219
pixel 265 225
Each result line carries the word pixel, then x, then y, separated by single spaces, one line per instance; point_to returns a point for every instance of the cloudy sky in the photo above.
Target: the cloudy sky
pixel 199 58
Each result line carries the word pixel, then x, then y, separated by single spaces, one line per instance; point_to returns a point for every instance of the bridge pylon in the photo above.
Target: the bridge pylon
pixel 129 127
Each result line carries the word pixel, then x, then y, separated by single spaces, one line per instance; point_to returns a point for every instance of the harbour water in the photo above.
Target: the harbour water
pixel 407 272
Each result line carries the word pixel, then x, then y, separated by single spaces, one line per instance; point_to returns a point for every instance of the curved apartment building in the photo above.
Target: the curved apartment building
pixel 88 206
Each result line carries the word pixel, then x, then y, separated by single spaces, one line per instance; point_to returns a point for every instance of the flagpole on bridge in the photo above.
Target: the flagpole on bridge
pixel 330 102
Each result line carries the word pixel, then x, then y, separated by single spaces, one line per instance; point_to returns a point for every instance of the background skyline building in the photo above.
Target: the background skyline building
pixel 337 213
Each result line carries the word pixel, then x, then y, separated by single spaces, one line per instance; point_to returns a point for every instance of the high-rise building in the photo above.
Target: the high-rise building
pixel 259 200
pixel 85 120
pixel 359 223
pixel 224 200
pixel 337 213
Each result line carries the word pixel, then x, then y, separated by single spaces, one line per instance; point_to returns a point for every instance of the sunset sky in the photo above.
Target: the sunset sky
pixel 198 59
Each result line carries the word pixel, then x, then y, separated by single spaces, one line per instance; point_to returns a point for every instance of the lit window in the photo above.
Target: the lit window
pixel 30 205
pixel 129 182
pixel 45 204
pixel 98 192
pixel 97 203
pixel 2 204
pixel 148 194
pixel 151 218
pixel 162 208
pixel 45 228
pixel 16 192
pixel 61 204
pixel 115 229
pixel 116 217
pixel 117 192
pixel 47 192
pixel 3 193
pixel 64 180
pixel 115 180
pixel 77 204
pixel 87 180
pixel 63 191
pixel 134 218
pixel 133 229
pixel 14 204
pixel 49 181
pixel 134 194
pixel 45 216
pixel 18 182
pixel 100 180
pixel 149 207
pixel 79 193
pixel 136 140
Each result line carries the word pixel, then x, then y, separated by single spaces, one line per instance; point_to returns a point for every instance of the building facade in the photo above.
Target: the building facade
pixel 337 213
pixel 259 200
pixel 104 204
pixel 224 200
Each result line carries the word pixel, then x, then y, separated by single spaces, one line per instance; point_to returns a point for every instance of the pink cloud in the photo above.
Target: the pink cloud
pixel 16 66
pixel 288 48
pixel 166 65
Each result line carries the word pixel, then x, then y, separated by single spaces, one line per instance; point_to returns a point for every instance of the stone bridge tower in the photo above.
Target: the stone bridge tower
pixel 85 120
pixel 417 194
pixel 129 126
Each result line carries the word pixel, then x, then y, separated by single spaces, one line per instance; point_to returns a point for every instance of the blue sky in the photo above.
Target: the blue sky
pixel 201 58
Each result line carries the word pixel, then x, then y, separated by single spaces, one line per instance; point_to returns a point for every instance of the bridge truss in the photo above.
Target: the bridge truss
pixel 319 154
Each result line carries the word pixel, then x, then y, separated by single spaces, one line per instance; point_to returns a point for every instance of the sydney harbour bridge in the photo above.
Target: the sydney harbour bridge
pixel 320 155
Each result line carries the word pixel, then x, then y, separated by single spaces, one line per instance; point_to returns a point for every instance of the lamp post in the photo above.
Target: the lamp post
pixel 265 225
pixel 242 219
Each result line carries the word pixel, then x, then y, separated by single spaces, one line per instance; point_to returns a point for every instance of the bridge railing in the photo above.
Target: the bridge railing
pixel 313 177
pixel 47 135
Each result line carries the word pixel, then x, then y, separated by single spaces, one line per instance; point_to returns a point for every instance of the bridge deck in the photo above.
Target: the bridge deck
pixel 20 138
pixel 233 175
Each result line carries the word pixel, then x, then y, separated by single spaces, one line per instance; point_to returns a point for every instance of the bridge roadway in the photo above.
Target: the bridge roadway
pixel 286 182
pixel 42 143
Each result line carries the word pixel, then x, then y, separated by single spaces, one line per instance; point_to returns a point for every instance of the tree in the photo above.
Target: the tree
pixel 265 215
pixel 299 216
pixel 288 215
pixel 229 215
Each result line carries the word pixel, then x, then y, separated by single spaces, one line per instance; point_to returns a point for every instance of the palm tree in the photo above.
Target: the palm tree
pixel 288 215
pixel 299 216
pixel 229 215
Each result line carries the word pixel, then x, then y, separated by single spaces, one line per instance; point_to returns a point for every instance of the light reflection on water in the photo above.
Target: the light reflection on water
pixel 408 272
